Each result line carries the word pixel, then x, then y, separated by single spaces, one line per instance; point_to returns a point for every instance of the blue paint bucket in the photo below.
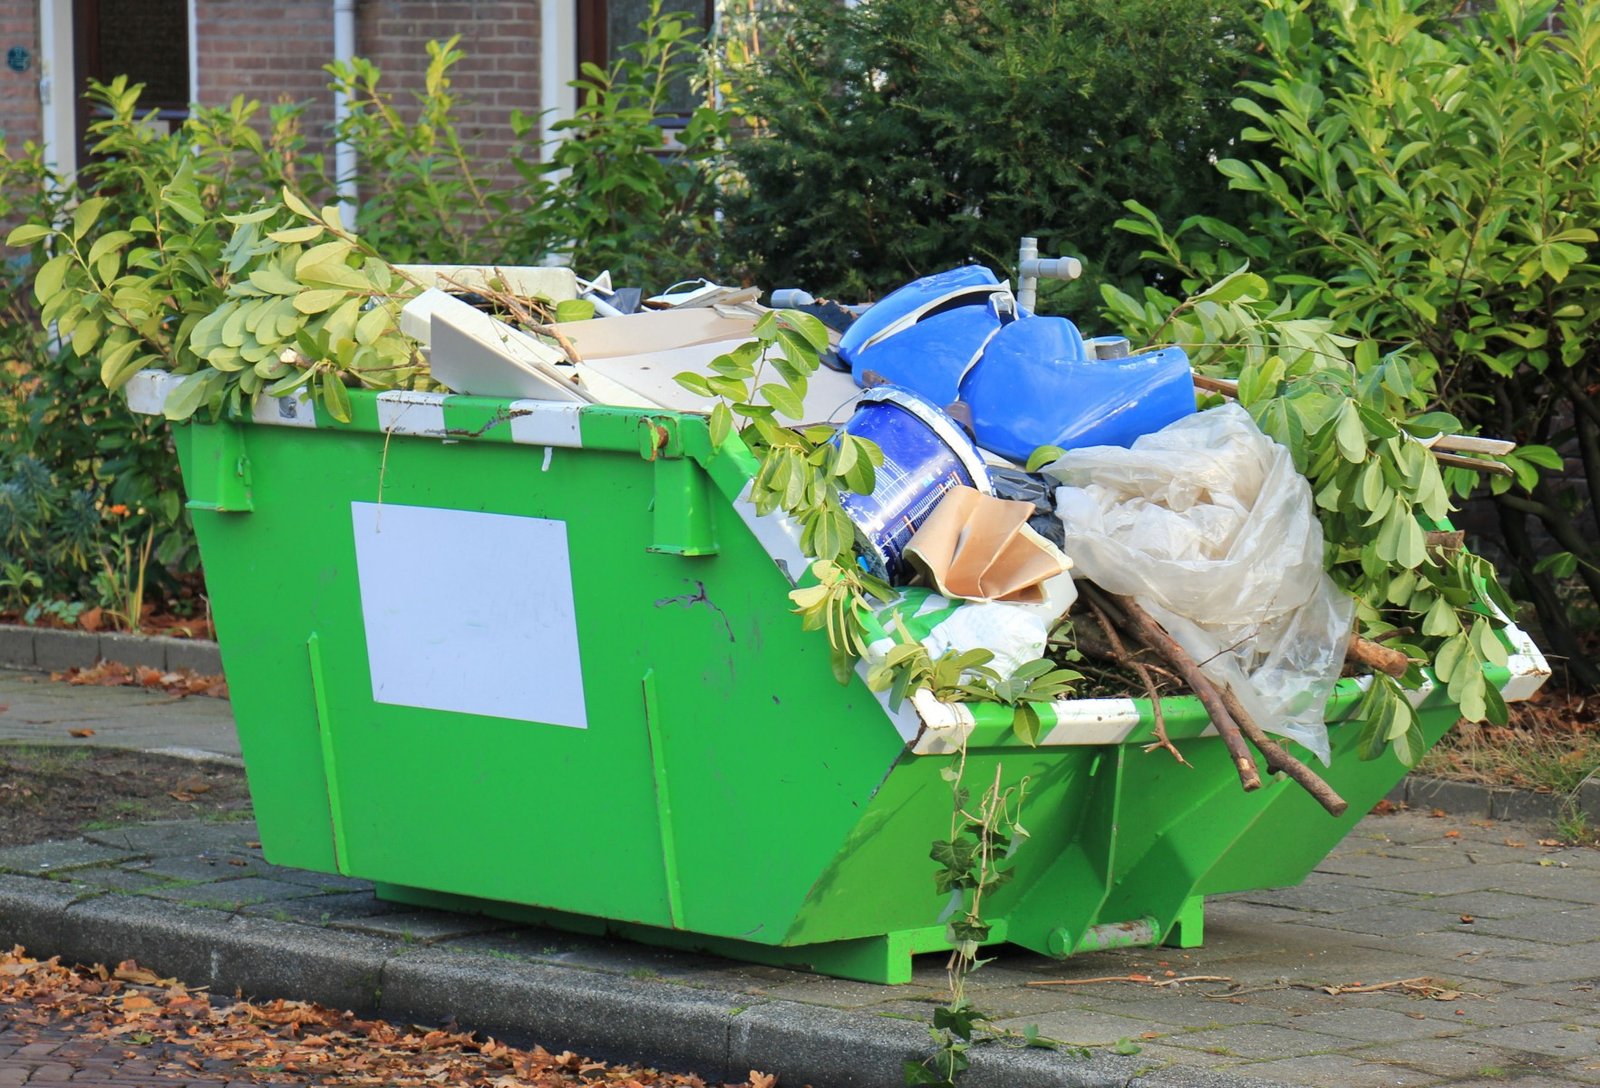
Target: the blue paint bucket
pixel 925 454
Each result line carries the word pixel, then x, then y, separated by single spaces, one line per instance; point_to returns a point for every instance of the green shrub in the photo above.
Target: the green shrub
pixel 609 196
pixel 143 257
pixel 897 137
pixel 1435 186
pixel 113 299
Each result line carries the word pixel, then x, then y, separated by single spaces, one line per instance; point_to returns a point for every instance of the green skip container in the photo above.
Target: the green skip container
pixel 537 660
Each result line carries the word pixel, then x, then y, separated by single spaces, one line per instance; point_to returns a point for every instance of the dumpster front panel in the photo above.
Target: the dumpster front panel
pixel 683 754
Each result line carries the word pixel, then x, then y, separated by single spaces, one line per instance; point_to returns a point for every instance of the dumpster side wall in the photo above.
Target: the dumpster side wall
pixel 698 767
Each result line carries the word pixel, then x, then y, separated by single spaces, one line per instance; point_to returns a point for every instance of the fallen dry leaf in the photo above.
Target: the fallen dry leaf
pixel 182 683
pixel 92 619
pixel 288 1042
pixel 130 971
pixel 80 732
pixel 1452 834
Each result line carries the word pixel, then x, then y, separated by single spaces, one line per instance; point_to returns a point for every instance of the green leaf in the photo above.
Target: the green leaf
pixel 694 383
pixel 814 331
pixel 186 396
pixel 1349 435
pixel 1026 725
pixel 783 399
pixel 296 205
pixel 51 276
pixel 336 398
pixel 274 282
pixel 371 325
pixel 1440 620
pixel 574 309
pixel 1559 565
pixel 113 363
pixel 1543 456
pixel 186 202
pixel 85 214
pixel 721 424
pixel 297 235
pixel 1450 657
pixel 28 233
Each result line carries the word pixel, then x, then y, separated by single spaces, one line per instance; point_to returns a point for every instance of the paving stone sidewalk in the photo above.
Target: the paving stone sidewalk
pixel 37 710
pixel 1504 928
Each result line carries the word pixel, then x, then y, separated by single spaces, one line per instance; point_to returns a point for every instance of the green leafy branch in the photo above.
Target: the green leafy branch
pixel 1352 419
pixel 972 862
pixel 801 472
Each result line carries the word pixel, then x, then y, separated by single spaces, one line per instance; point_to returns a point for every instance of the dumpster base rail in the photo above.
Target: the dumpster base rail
pixel 884 959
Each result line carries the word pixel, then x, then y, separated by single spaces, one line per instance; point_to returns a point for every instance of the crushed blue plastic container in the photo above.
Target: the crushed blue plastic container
pixel 1038 384
pixel 927 334
pixel 925 454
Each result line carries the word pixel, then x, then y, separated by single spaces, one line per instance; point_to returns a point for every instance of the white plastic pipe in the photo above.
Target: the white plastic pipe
pixel 344 152
pixel 1030 267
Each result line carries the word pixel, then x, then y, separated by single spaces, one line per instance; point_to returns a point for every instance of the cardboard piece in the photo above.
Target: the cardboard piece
pixel 980 548
pixel 553 284
pixel 471 357
pixel 644 352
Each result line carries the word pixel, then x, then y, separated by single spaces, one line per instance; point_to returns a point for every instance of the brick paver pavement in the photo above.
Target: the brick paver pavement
pixel 36 1054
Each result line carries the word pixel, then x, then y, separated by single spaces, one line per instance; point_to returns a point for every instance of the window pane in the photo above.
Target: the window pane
pixel 148 41
pixel 622 26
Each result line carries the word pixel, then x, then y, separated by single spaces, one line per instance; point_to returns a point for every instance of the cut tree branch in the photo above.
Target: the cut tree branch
pixel 1280 760
pixel 1140 624
pixel 1123 658
pixel 1379 658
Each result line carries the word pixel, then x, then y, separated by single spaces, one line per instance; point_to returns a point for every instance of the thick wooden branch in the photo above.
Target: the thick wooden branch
pixel 1220 702
pixel 1141 625
pixel 1280 760
pixel 1377 657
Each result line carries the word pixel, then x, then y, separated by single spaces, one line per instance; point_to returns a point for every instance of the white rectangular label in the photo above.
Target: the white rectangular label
pixel 469 612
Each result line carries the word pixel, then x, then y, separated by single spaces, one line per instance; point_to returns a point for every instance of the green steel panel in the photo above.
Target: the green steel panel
pixel 706 783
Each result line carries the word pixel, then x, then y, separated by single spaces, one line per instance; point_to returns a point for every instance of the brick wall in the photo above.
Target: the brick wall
pixel 273 51
pixel 500 72
pixel 20 117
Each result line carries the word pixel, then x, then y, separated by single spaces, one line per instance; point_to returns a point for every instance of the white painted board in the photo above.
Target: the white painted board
pixel 490 629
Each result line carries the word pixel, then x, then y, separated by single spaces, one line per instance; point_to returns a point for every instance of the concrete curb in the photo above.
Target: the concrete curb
pixel 1478 801
pixel 44 649
pixel 720 1034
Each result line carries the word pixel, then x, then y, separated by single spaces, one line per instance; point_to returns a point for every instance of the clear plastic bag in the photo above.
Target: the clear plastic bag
pixel 1209 527
pixel 1014 633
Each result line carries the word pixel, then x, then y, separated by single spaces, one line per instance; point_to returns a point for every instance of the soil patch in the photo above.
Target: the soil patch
pixel 49 792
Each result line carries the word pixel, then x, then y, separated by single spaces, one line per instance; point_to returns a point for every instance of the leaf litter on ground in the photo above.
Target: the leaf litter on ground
pixel 288 1042
pixel 177 682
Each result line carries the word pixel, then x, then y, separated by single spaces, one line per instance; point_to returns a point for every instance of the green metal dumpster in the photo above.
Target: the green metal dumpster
pixel 537 660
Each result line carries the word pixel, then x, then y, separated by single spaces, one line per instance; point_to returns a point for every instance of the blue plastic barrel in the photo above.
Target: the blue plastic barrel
pixel 925 454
